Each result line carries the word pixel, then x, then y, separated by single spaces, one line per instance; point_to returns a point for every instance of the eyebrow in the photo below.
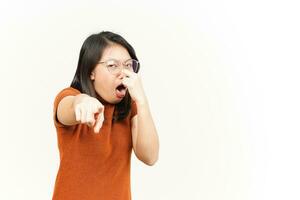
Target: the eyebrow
pixel 113 59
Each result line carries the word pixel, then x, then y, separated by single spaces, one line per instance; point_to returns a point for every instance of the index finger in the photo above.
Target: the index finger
pixel 99 119
pixel 99 122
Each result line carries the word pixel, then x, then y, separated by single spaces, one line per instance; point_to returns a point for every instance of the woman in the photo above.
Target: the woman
pixel 99 119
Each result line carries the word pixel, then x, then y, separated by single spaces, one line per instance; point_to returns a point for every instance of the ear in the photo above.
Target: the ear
pixel 92 76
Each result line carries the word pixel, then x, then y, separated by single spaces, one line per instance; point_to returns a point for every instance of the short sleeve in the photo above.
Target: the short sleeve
pixel 133 109
pixel 63 93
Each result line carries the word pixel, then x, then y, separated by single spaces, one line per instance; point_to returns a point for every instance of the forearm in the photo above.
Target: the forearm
pixel 147 146
pixel 65 110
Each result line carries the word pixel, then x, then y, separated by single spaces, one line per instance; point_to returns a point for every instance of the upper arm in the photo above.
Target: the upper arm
pixel 134 131
pixel 65 111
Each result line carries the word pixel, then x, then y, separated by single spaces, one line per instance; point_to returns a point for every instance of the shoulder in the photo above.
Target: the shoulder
pixel 69 91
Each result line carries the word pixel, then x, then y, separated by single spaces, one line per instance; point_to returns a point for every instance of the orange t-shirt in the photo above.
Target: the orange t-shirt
pixel 93 166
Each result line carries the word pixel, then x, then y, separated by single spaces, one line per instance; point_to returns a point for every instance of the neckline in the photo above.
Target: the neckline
pixel 104 102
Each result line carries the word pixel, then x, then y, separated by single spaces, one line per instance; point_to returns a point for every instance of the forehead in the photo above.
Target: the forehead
pixel 116 52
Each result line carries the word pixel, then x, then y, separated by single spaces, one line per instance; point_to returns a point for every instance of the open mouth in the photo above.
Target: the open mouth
pixel 121 91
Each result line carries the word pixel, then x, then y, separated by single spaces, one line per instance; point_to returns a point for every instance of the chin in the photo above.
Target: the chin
pixel 115 101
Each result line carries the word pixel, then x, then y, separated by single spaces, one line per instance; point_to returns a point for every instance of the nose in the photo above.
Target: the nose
pixel 120 74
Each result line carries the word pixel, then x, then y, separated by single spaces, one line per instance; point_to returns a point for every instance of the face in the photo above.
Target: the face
pixel 106 83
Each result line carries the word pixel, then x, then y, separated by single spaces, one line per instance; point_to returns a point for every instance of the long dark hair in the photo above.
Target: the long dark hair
pixel 90 54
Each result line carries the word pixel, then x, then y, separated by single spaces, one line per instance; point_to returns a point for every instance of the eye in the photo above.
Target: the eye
pixel 112 66
pixel 129 65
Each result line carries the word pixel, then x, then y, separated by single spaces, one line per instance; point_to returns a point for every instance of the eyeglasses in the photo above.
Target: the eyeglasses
pixel 114 66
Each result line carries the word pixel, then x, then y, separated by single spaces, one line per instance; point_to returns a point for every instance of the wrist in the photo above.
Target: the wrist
pixel 141 102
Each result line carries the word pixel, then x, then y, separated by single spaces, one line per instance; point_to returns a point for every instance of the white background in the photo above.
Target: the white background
pixel 221 78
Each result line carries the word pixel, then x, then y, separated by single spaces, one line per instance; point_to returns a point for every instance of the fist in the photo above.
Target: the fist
pixel 89 111
pixel 134 84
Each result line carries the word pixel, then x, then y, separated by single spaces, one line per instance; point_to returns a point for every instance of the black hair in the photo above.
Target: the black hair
pixel 90 54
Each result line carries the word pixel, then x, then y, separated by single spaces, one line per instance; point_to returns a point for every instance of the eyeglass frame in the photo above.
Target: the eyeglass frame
pixel 118 64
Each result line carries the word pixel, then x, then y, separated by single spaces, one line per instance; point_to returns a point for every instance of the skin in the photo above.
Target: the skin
pixel 104 82
pixel 85 109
